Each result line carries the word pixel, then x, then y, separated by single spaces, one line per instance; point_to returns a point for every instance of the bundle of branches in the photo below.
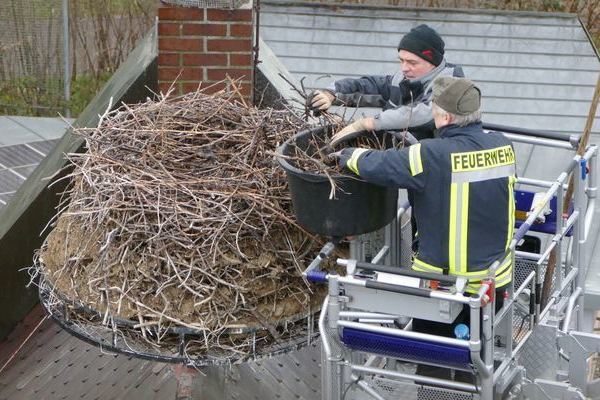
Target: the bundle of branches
pixel 177 215
pixel 316 155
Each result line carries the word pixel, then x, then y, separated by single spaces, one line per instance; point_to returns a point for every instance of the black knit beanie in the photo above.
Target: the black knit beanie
pixel 425 43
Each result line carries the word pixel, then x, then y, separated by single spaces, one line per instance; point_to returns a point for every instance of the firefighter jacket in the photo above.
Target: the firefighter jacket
pixel 387 92
pixel 462 187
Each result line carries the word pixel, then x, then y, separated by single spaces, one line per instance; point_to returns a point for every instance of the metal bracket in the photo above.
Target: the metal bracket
pixel 460 285
pixel 580 346
pixel 542 389
pixel 513 376
pixel 351 267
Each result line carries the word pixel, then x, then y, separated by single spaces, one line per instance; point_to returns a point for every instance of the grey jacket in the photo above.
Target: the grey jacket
pixel 384 92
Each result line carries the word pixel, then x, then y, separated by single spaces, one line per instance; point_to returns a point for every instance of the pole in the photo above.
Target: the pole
pixel 254 95
pixel 185 377
pixel 583 142
pixel 66 57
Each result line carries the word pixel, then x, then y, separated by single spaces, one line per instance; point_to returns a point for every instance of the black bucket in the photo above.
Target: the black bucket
pixel 359 207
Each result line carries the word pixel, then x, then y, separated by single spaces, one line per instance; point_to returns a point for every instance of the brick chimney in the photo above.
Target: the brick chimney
pixel 199 44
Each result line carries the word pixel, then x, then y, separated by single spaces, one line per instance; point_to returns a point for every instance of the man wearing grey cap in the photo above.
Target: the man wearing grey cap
pixel 462 188
pixel 404 97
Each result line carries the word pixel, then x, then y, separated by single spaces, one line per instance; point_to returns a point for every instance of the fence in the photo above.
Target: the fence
pixel 47 46
pixel 30 47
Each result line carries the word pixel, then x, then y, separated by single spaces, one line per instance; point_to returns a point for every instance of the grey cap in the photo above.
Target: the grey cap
pixel 457 96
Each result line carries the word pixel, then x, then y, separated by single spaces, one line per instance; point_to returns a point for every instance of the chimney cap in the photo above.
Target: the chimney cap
pixel 226 4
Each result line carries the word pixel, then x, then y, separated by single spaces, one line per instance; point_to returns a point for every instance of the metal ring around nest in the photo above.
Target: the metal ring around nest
pixel 183 334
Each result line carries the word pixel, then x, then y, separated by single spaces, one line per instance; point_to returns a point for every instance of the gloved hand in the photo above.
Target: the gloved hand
pixel 320 100
pixel 348 158
pixel 343 155
pixel 410 87
pixel 353 130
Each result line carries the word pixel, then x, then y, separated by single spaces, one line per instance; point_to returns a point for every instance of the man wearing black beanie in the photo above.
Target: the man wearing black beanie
pixel 405 97
pixel 425 43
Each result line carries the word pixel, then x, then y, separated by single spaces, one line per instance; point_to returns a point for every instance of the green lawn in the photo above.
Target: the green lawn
pixel 29 96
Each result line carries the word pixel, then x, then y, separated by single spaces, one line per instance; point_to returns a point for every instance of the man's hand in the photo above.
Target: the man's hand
pixel 343 155
pixel 320 100
pixel 348 158
pixel 353 130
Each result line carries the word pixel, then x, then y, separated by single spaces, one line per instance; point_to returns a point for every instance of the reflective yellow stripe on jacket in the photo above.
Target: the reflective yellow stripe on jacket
pixel 503 273
pixel 414 159
pixel 422 266
pixel 459 223
pixel 503 276
pixel 511 210
pixel 352 163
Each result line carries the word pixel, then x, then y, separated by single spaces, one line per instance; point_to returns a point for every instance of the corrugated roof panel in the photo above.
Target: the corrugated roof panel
pixel 559 93
pixel 26 170
pixel 536 107
pixel 385 40
pixel 44 146
pixel 5 198
pixel 13 132
pixel 536 70
pixel 533 121
pixel 398 21
pixel 388 56
pixel 319 63
pixel 9 181
pixel 18 155
pixel 24 142
pixel 516 76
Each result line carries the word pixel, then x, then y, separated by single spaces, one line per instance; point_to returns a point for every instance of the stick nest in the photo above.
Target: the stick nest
pixel 177 216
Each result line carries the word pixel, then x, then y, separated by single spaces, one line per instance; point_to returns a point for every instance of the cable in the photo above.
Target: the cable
pixel 521 326
pixel 354 382
pixel 14 354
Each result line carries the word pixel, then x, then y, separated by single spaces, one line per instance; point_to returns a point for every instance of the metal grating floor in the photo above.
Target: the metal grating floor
pixel 52 364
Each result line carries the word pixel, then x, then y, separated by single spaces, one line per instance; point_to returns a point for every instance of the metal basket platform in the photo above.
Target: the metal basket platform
pixel 394 389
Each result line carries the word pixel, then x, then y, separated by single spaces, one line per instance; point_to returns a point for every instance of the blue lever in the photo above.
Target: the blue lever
pixel 317 276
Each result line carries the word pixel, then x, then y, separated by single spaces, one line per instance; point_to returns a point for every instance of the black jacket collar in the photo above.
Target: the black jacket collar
pixel 454 130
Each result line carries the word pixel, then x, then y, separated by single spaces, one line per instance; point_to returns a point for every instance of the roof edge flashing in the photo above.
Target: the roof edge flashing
pixel 589 36
pixel 277 74
pixel 338 6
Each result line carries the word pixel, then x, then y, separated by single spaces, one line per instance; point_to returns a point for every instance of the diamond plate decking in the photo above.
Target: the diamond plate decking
pixel 55 365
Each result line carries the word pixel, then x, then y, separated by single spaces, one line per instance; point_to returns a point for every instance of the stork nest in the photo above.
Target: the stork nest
pixel 177 216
